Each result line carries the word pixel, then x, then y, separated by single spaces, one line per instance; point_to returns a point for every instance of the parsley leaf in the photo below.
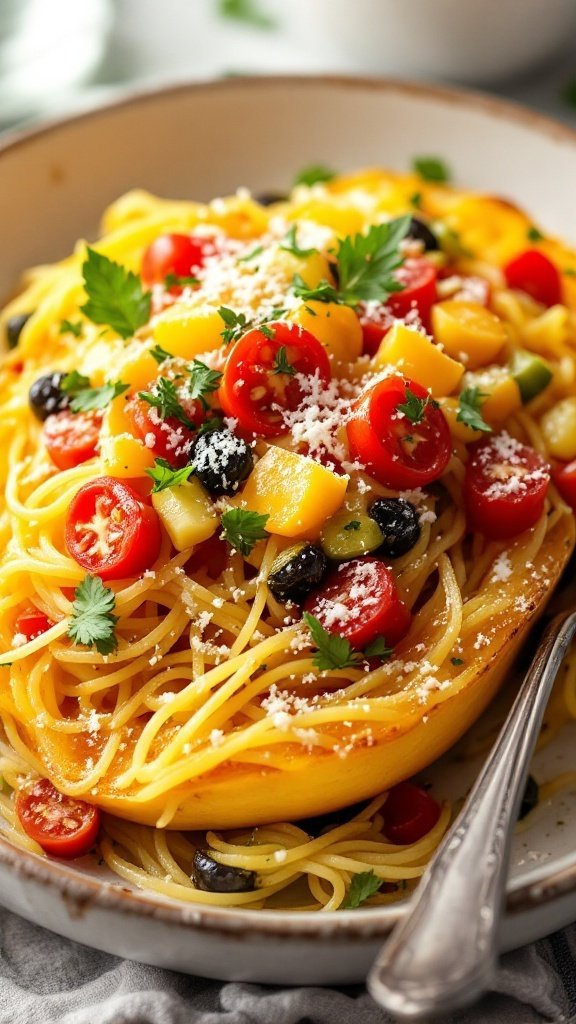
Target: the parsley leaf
pixel 534 234
pixel 251 255
pixel 281 364
pixel 92 622
pixel 314 175
pixel 431 168
pixel 203 381
pixel 457 661
pixel 164 475
pixel 246 11
pixel 180 281
pixel 235 324
pixel 213 423
pixel 67 327
pixel 322 292
pixel 365 262
pixel 160 354
pixel 354 524
pixel 165 399
pixel 333 651
pixel 242 529
pixel 469 410
pixel 290 244
pixel 85 398
pixel 115 295
pixel 414 408
pixel 378 648
pixel 364 885
pixel 415 200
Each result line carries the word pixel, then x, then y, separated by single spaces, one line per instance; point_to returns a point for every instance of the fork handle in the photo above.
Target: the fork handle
pixel 443 954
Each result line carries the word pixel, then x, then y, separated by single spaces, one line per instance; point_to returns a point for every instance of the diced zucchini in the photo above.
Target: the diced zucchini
pixel 187 513
pixel 531 373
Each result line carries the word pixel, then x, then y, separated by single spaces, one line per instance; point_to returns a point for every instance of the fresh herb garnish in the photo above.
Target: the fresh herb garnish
pixel 415 200
pixel 469 410
pixel 160 354
pixel 414 408
pixel 534 234
pixel 203 381
pixel 457 661
pixel 363 886
pixel 251 255
pixel 115 295
pixel 235 324
pixel 290 244
pixel 67 327
pixel 322 292
pixel 378 648
pixel 333 651
pixel 281 364
pixel 87 399
pixel 180 281
pixel 354 524
pixel 314 175
pixel 213 423
pixel 163 475
pixel 93 623
pixel 243 529
pixel 246 11
pixel 431 168
pixel 165 399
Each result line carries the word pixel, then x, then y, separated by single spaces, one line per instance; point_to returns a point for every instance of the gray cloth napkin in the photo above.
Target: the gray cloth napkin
pixel 45 979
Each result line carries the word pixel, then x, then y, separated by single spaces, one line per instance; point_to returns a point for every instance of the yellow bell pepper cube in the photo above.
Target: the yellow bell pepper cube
pixel 188 331
pixel 138 367
pixel 296 493
pixel 559 429
pixel 468 331
pixel 419 359
pixel 124 456
pixel 312 269
pixel 336 327
pixel 186 513
pixel 503 397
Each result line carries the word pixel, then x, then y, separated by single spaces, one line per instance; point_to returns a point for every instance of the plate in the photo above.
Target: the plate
pixel 198 141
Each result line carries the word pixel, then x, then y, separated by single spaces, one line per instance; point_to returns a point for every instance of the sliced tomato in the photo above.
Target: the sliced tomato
pixel 532 272
pixel 505 487
pixel 359 601
pixel 375 320
pixel 399 452
pixel 417 276
pixel 255 390
pixel 180 255
pixel 167 439
pixel 110 531
pixel 31 623
pixel 72 437
pixel 212 555
pixel 61 825
pixel 409 813
pixel 565 480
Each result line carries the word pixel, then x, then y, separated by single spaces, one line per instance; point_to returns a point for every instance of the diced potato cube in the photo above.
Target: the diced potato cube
pixel 468 331
pixel 559 429
pixel 124 456
pixel 187 513
pixel 503 396
pixel 334 326
pixel 188 331
pixel 296 493
pixel 138 367
pixel 419 359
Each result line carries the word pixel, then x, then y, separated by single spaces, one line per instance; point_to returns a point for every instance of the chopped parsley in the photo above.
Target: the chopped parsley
pixel 243 529
pixel 246 11
pixel 290 244
pixel 354 524
pixel 363 886
pixel 213 423
pixel 281 364
pixel 431 168
pixel 67 327
pixel 165 476
pixel 203 381
pixel 165 399
pixel 534 234
pixel 414 408
pixel 115 295
pixel 415 200
pixel 178 281
pixel 333 651
pixel 378 648
pixel 457 661
pixel 235 324
pixel 469 410
pixel 251 255
pixel 160 354
pixel 87 399
pixel 322 292
pixel 316 174
pixel 92 623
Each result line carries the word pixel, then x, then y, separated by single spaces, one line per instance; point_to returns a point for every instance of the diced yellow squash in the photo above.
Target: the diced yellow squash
pixel 336 327
pixel 312 269
pixel 115 420
pixel 468 331
pixel 458 429
pixel 419 359
pixel 296 493
pixel 239 216
pixel 559 429
pixel 124 456
pixel 138 367
pixel 186 513
pixel 332 212
pixel 188 331
pixel 503 396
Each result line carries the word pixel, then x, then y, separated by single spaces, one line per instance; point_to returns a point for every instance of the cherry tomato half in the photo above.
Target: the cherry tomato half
pixel 167 439
pixel 359 601
pixel 31 623
pixel 255 390
pixel 532 272
pixel 72 437
pixel 565 480
pixel 398 451
pixel 409 813
pixel 110 531
pixel 181 255
pixel 505 487
pixel 418 278
pixel 375 321
pixel 62 825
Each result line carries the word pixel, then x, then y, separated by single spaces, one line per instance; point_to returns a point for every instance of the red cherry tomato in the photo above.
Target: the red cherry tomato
pixel 255 391
pixel 110 531
pixel 409 813
pixel 211 556
pixel 181 255
pixel 62 825
pixel 398 451
pixel 359 601
pixel 72 437
pixel 375 321
pixel 565 480
pixel 31 623
pixel 418 277
pixel 505 487
pixel 532 272
pixel 167 439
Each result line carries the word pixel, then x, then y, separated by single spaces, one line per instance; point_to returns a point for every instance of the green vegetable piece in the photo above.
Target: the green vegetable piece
pixel 431 168
pixel 531 373
pixel 341 541
pixel 362 887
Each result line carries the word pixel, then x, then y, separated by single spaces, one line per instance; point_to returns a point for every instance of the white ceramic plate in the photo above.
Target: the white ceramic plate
pixel 199 141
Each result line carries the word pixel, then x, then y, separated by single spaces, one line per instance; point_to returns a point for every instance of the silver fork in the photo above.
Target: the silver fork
pixel 443 954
